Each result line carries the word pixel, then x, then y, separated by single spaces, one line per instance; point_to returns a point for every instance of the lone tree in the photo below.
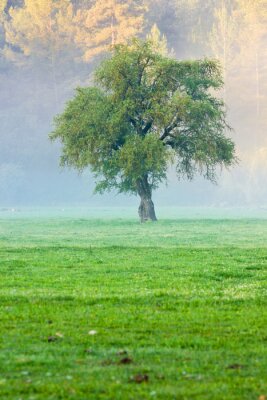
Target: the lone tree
pixel 145 112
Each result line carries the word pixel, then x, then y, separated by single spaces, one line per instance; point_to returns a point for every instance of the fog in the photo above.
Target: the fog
pixel 40 69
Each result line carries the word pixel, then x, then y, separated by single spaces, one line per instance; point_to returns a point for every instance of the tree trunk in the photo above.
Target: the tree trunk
pixel 146 209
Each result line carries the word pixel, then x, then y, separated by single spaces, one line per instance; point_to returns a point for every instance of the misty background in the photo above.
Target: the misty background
pixel 49 47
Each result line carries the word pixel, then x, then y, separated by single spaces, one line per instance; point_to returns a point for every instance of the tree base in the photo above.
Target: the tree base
pixel 146 211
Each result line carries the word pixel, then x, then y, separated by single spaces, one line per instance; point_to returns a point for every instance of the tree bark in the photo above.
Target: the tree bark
pixel 146 209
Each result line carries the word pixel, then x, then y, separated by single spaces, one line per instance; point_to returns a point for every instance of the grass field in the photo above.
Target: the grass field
pixel 111 309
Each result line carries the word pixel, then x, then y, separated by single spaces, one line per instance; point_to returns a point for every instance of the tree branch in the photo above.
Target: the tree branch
pixel 170 128
pixel 133 121
pixel 147 127
pixel 141 72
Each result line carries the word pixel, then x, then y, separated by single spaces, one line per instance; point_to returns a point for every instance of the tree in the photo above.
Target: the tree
pixel 254 14
pixel 37 34
pixel 43 30
pixel 223 38
pixel 146 112
pixel 39 30
pixel 106 23
pixel 3 4
pixel 158 41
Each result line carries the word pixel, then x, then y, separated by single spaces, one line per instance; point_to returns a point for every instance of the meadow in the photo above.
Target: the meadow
pixel 108 308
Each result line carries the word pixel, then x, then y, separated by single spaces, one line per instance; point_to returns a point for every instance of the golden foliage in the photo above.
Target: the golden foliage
pixel 38 29
pixel 54 28
pixel 3 4
pixel 159 41
pixel 106 23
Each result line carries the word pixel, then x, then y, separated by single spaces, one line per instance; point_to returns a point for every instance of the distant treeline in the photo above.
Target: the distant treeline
pixel 49 47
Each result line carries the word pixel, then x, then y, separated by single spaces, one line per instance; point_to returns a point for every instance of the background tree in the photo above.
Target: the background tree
pixel 223 38
pixel 46 28
pixel 158 41
pixel 254 54
pixel 3 4
pixel 146 112
pixel 39 30
pixel 106 23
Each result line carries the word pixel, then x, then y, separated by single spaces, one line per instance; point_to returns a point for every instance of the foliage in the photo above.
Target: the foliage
pixel 44 29
pixel 106 23
pixel 158 41
pixel 146 112
pixel 56 64
pixel 235 33
pixel 3 4
pixel 39 30
pixel 184 298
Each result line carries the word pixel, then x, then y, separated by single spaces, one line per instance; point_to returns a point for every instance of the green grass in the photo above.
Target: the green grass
pixel 186 299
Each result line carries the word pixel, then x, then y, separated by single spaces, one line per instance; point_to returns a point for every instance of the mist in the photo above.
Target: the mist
pixel 40 70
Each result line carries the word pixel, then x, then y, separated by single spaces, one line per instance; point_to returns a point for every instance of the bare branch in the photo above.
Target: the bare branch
pixel 147 127
pixel 170 128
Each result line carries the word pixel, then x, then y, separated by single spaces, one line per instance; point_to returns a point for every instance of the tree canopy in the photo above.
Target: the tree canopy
pixel 145 112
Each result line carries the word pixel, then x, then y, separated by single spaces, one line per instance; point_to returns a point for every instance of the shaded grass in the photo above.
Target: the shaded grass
pixel 185 299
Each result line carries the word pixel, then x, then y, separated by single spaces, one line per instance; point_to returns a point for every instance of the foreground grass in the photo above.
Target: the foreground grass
pixel 178 304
